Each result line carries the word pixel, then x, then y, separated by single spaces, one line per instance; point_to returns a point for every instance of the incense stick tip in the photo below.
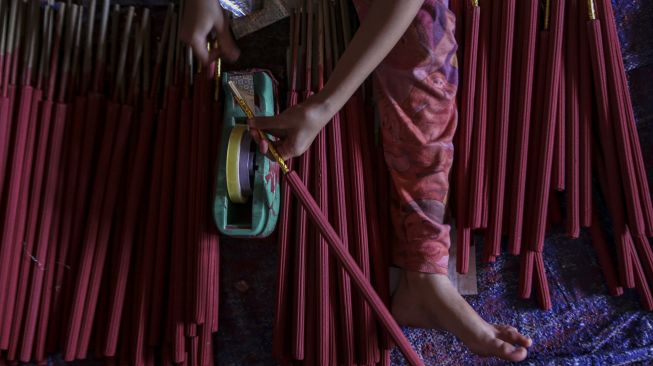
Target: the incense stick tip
pixel 591 8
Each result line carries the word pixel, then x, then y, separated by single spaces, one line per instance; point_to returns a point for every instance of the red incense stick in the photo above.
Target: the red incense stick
pixel 541 283
pixel 5 122
pixel 324 331
pixel 179 232
pixel 642 285
pixel 607 145
pixel 197 255
pixel 167 179
pixel 465 132
pixel 477 180
pixel 605 257
pixel 585 116
pixel 542 185
pixel 523 123
pixel 74 167
pixel 299 305
pixel 558 168
pixel 572 162
pixel 346 343
pixel 500 141
pixel 619 82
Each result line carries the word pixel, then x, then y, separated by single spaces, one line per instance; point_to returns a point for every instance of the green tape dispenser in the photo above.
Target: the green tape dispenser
pixel 246 202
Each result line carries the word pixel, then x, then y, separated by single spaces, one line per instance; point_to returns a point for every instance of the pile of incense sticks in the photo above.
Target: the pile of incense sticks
pixel 545 109
pixel 320 317
pixel 107 147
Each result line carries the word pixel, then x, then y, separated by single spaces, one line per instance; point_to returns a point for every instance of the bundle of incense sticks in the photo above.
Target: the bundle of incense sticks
pixel 99 155
pixel 319 318
pixel 536 117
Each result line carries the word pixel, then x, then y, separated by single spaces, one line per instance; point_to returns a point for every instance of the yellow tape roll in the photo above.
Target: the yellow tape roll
pixel 233 164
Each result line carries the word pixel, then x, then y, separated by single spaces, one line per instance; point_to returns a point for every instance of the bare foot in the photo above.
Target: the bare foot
pixel 425 300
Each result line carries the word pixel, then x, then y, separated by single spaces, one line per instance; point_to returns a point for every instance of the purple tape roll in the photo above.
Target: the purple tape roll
pixel 246 165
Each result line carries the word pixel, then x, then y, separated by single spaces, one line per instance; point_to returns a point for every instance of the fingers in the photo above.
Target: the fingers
pixel 198 44
pixel 199 20
pixel 229 51
pixel 268 124
pixel 283 147
pixel 262 144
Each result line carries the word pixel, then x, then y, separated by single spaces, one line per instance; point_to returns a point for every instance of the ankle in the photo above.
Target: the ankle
pixel 413 276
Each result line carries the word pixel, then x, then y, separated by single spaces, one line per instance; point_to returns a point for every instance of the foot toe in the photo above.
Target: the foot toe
pixel 512 335
pixel 507 351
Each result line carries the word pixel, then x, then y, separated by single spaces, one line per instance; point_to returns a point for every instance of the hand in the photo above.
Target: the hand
pixel 200 18
pixel 295 128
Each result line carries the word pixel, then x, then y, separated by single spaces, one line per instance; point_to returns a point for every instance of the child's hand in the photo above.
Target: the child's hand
pixel 296 128
pixel 200 18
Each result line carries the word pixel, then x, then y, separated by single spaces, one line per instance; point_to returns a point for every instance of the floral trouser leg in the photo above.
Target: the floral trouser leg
pixel 415 88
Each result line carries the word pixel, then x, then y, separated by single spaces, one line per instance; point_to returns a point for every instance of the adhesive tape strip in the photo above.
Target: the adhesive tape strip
pixel 233 164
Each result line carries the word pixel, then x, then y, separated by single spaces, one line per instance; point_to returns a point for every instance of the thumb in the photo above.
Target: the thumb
pixel 285 149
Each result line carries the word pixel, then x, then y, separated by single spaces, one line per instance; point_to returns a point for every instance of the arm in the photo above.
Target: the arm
pixel 383 26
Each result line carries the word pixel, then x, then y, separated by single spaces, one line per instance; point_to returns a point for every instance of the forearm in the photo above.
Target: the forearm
pixel 384 24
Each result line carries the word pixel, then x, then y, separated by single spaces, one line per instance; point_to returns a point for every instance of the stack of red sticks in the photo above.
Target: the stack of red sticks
pixel 535 74
pixel 319 318
pixel 106 153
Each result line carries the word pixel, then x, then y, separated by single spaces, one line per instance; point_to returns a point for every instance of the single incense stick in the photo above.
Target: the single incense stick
pixel 572 162
pixel 496 208
pixel 88 47
pixel 337 179
pixel 605 257
pixel 585 118
pixel 100 61
pixel 473 15
pixel 524 112
pixel 477 177
pixel 542 185
pixel 171 105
